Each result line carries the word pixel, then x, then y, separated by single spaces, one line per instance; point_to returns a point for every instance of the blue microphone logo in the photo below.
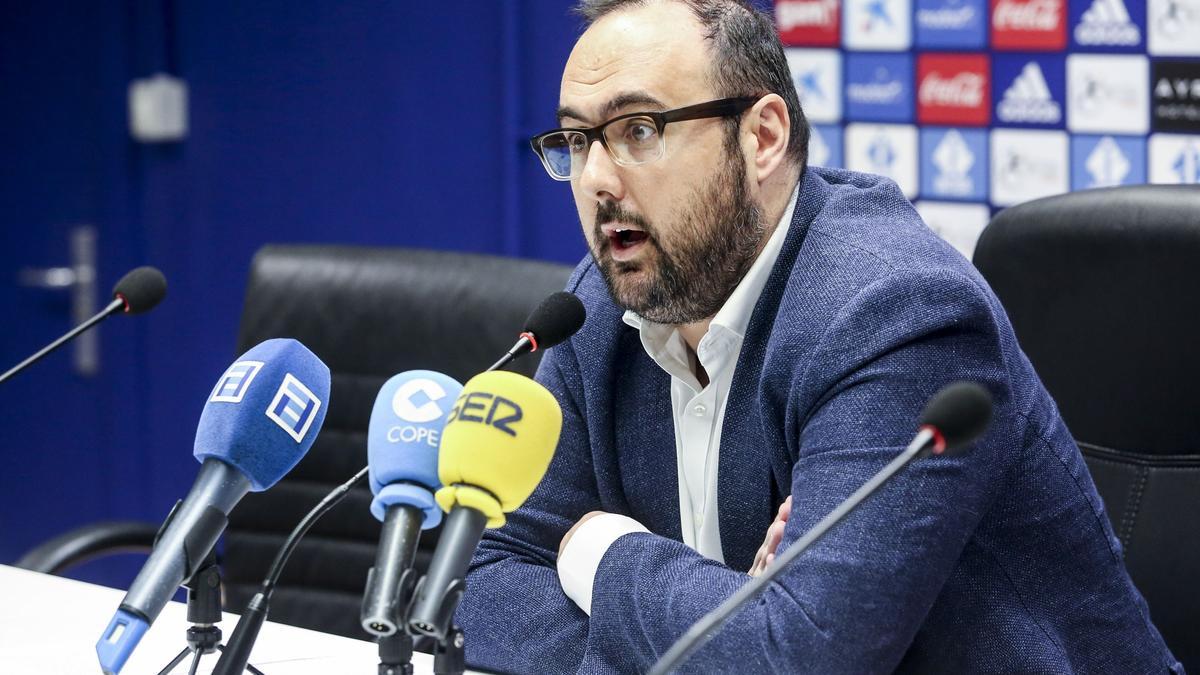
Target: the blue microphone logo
pixel 416 401
pixel 233 384
pixel 402 441
pixel 294 407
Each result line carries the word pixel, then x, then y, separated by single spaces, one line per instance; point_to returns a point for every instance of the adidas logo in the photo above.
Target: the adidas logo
pixel 1107 164
pixel 1107 22
pixel 954 160
pixel 1028 99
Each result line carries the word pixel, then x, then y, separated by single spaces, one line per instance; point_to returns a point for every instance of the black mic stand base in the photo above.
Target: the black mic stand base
pixel 395 654
pixel 449 658
pixel 203 611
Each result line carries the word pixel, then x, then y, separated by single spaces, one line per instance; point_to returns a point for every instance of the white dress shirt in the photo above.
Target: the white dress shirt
pixel 698 413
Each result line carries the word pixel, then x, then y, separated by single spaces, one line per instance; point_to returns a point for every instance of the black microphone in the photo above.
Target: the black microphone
pixel 557 318
pixel 138 291
pixel 957 415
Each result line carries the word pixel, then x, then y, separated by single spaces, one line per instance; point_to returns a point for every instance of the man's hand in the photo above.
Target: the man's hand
pixel 766 552
pixel 562 546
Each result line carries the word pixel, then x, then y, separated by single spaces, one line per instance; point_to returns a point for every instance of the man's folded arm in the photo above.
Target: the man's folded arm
pixel 514 614
pixel 854 602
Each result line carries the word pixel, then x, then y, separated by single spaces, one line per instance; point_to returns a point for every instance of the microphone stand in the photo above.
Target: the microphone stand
pixel 440 591
pixel 708 625
pixel 204 612
pixel 449 657
pixel 71 335
pixel 396 649
pixel 203 593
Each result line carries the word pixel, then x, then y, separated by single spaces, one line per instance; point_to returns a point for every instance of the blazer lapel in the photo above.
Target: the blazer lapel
pixel 753 479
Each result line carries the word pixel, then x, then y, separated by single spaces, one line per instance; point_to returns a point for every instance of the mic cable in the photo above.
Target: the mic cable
pixel 237 650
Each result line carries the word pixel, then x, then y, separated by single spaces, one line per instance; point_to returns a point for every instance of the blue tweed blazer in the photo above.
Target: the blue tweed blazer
pixel 1000 559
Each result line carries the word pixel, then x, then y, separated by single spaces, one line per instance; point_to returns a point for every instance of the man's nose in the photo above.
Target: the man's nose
pixel 600 177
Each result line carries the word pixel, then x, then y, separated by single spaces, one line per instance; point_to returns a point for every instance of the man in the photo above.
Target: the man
pixel 757 330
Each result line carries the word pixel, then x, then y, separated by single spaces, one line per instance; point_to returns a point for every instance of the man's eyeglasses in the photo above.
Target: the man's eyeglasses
pixel 631 139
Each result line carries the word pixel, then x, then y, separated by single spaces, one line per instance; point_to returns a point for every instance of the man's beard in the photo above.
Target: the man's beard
pixel 713 246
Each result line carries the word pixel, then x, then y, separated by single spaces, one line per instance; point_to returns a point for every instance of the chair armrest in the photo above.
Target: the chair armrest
pixel 88 542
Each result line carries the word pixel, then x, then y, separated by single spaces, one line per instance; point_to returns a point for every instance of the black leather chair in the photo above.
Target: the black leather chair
pixel 1103 289
pixel 368 313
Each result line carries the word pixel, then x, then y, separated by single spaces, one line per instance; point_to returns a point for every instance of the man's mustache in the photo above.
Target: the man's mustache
pixel 611 212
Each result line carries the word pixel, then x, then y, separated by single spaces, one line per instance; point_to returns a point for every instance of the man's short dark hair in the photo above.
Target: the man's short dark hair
pixel 746 53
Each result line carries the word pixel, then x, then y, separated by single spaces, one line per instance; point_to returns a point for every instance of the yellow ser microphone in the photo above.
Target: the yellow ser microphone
pixel 496 446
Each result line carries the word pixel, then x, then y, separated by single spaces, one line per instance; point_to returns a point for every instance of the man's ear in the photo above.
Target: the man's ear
pixel 770 128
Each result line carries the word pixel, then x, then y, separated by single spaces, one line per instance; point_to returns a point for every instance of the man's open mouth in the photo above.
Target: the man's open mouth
pixel 622 239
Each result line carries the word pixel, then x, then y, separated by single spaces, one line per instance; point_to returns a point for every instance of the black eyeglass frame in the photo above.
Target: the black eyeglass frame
pixel 722 107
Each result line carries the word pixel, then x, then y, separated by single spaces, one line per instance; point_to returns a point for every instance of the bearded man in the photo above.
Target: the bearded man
pixel 759 330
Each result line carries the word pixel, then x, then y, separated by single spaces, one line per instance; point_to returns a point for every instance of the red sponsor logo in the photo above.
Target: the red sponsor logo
pixel 1029 24
pixel 953 89
pixel 809 23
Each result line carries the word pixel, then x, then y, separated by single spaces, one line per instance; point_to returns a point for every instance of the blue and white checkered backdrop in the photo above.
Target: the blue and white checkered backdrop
pixel 975 105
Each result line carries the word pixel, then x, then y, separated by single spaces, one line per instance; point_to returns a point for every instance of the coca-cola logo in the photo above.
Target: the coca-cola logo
pixel 1035 15
pixel 964 90
pixel 804 14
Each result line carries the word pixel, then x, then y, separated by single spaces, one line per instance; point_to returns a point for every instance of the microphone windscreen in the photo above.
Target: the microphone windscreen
pixel 497 444
pixel 557 318
pixel 960 411
pixel 141 289
pixel 265 411
pixel 402 441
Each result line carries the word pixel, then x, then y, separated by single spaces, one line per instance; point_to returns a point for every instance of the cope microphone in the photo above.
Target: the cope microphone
pixel 138 291
pixel 402 453
pixel 259 421
pixel 957 415
pixel 496 447
pixel 557 318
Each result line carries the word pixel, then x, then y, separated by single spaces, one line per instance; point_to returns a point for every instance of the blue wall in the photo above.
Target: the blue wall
pixel 381 123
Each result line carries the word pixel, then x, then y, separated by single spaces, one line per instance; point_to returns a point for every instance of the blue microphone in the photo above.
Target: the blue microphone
pixel 402 454
pixel 258 423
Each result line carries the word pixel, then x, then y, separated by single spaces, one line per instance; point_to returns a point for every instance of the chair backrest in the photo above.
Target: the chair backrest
pixel 368 313
pixel 1103 290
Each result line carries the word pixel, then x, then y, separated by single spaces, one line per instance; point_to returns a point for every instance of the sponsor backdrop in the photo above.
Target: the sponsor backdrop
pixel 975 105
pixel 406 124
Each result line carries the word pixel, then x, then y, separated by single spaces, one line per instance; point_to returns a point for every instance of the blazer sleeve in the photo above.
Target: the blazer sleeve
pixel 514 614
pixel 854 602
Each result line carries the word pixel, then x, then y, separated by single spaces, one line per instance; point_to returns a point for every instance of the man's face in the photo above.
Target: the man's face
pixel 674 236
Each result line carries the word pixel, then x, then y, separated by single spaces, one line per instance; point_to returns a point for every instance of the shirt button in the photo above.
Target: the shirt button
pixel 698 410
pixel 699 520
